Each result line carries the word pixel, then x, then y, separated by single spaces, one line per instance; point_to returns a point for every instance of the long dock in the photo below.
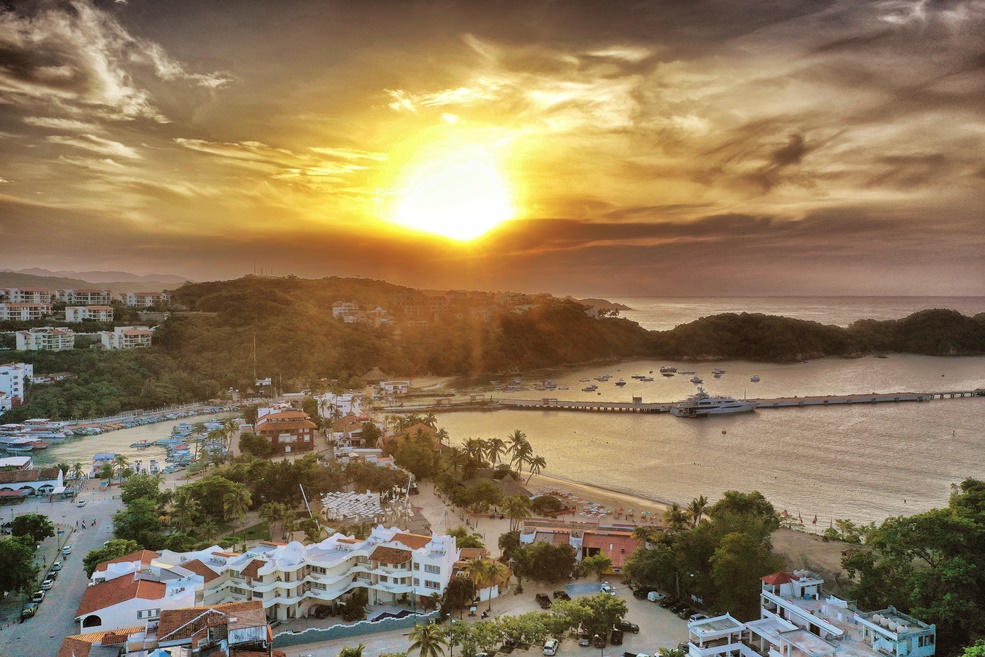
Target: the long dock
pixel 552 404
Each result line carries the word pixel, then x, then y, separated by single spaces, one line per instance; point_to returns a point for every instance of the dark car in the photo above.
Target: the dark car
pixel 543 601
pixel 679 607
pixel 599 641
pixel 29 610
pixel 626 626
pixel 561 595
pixel 616 637
pixel 669 602
pixel 585 640
pixel 641 593
pixel 685 613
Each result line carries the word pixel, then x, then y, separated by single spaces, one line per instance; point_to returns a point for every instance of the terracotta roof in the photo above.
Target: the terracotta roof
pixel 777 578
pixel 474 553
pixel 177 624
pixel 420 426
pixel 199 568
pixel 390 555
pixel 115 591
pixel 79 645
pixel 282 425
pixel 413 541
pixel 23 476
pixel 143 556
pixel 253 568
pixel 374 374
pixel 74 647
pixel 622 545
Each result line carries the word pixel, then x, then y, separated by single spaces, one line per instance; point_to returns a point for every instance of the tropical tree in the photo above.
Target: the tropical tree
pixel 675 517
pixel 236 503
pixel 352 652
pixel 77 471
pixel 596 563
pixel 536 464
pixel 517 509
pixel 121 463
pixel 428 641
pixel 186 510
pixel 454 458
pixel 696 509
pixel 495 448
pixel 430 419
pixel 518 446
pixel 35 525
pixel 273 513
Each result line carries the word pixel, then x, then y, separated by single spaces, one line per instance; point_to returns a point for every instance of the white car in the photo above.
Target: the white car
pixel 550 647
pixel 655 596
pixel 47 584
pixel 67 550
pixel 80 503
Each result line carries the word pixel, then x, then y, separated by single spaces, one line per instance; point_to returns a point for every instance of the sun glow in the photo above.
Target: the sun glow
pixel 459 195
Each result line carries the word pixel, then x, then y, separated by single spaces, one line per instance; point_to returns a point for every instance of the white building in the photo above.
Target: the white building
pixel 46 481
pixel 797 620
pixel 24 312
pixel 81 313
pixel 45 338
pixel 145 299
pixel 26 294
pixel 14 378
pixel 343 308
pixel 331 405
pixel 126 337
pixel 396 387
pixel 290 579
pixel 86 297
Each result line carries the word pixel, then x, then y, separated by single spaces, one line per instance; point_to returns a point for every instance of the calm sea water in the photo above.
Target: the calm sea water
pixel 663 314
pixel 860 462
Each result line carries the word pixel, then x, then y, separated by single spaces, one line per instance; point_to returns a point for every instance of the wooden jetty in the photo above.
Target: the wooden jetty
pixel 638 406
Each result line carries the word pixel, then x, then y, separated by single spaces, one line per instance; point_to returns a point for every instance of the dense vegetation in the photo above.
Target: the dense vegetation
pixel 930 565
pixel 287 324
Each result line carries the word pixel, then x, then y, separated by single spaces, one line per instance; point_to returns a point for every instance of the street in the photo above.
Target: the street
pixel 40 636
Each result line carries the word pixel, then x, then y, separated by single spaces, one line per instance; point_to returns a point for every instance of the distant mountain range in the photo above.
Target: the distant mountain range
pixel 102 276
pixel 115 281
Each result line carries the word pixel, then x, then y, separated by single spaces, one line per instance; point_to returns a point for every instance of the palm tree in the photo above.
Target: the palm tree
pixel 78 472
pixel 273 513
pixel 431 420
pixel 675 517
pixel 443 437
pixel 186 510
pixel 236 503
pixel 518 446
pixel 495 448
pixel 290 524
pixel 537 463
pixel 454 458
pixel 517 509
pixel 643 534
pixel 352 652
pixel 696 509
pixel 485 572
pixel 429 641
pixel 121 463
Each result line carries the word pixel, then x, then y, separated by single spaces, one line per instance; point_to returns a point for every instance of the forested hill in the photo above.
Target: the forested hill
pixel 283 328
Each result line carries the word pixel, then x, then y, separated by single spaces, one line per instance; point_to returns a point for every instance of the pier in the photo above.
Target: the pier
pixel 638 406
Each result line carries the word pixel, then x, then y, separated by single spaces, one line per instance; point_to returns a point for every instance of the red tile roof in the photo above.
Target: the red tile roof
pixel 618 546
pixel 413 541
pixel 253 568
pixel 390 555
pixel 199 568
pixel 281 425
pixel 79 645
pixel 115 591
pixel 776 579
pixel 143 556
pixel 24 476
pixel 473 553
pixel 177 624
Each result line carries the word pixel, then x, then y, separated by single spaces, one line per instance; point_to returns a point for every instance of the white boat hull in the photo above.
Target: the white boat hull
pixel 739 407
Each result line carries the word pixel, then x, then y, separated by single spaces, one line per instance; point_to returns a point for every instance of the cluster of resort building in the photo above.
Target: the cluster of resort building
pixel 28 304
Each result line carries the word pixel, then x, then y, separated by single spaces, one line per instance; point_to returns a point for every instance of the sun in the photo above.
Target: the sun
pixel 458 195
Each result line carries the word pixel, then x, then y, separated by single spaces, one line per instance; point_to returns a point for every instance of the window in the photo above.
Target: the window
pixel 434 570
pixel 417 566
pixel 235 589
pixel 149 613
pixel 417 582
pixel 428 584
pixel 925 641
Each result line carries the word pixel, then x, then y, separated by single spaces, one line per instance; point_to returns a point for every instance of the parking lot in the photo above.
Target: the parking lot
pixel 41 635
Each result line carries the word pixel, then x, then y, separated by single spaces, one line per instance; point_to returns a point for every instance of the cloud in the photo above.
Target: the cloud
pixel 62 124
pixel 73 56
pixel 97 145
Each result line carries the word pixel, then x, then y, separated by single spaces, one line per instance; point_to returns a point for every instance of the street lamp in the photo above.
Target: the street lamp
pixel 600 644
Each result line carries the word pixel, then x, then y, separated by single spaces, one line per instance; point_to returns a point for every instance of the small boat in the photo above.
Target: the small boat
pixel 668 374
pixel 620 382
pixel 696 379
pixel 686 373
pixel 718 372
pixel 141 444
pixel 664 369
pixel 754 378
pixel 154 467
pixel 646 378
pixel 591 388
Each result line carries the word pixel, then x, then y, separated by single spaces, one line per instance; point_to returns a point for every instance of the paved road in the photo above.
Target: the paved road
pixel 42 635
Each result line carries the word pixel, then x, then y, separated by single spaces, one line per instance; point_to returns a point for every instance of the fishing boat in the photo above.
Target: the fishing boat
pixel 696 379
pixel 754 378
pixel 620 382
pixel 142 444
pixel 591 388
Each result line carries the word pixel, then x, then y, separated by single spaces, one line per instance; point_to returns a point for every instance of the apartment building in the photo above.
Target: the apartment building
pixel 288 431
pixel 798 620
pixel 14 378
pixel 45 338
pixel 126 337
pixel 24 312
pixel 26 294
pixel 145 299
pixel 86 297
pixel 75 314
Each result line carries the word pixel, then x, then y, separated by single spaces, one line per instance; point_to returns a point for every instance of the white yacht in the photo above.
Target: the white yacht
pixel 591 388
pixel 696 379
pixel 701 403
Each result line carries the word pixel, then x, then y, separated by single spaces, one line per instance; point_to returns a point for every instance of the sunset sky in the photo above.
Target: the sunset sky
pixel 672 147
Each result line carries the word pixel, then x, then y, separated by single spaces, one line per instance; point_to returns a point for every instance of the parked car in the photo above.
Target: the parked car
pixel 615 638
pixel 599 641
pixel 38 596
pixel 626 626
pixel 606 587
pixel 52 575
pixel 543 600
pixel 696 617
pixel 67 550
pixel 685 613
pixel 56 566
pixel 80 502
pixel 669 602
pixel 585 640
pixel 561 595
pixel 29 610
pixel 47 584
pixel 655 596
pixel 550 647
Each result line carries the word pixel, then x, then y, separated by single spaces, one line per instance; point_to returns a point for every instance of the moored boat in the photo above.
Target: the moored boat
pixel 701 404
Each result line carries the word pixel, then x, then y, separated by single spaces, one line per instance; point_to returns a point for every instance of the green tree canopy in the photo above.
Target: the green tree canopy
pixel 19 572
pixel 37 526
pixel 112 550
